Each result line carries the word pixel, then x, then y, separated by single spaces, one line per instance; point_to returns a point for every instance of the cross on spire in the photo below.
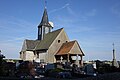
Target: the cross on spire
pixel 113 45
pixel 45 3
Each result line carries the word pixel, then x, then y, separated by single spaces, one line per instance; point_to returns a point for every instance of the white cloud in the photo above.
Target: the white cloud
pixel 67 7
pixel 70 11
pixel 58 9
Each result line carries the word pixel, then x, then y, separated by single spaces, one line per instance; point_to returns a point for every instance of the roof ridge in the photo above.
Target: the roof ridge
pixel 56 30
pixel 80 48
pixel 73 44
pixel 30 40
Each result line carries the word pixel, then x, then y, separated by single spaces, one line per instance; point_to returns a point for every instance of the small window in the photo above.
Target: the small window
pixel 58 41
pixel 66 41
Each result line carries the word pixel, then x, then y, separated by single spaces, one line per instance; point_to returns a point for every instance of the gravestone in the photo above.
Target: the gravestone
pixel 89 69
pixel 49 66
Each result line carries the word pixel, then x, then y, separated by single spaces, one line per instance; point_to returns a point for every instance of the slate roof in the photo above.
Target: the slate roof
pixel 31 44
pixel 44 21
pixel 43 44
pixel 48 39
pixel 66 47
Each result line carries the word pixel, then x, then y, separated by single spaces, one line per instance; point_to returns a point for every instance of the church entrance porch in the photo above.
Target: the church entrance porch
pixel 70 58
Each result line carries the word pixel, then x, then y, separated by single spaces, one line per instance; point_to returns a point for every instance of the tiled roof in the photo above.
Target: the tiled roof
pixel 70 47
pixel 65 48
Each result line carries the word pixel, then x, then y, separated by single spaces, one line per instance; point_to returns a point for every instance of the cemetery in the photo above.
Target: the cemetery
pixel 32 70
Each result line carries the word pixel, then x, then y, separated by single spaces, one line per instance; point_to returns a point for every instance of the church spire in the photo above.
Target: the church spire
pixel 45 20
pixel 44 27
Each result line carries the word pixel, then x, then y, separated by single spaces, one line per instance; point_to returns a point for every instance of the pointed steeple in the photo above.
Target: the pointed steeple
pixel 44 27
pixel 113 52
pixel 45 20
pixel 114 62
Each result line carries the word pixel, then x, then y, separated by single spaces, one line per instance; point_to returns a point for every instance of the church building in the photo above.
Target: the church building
pixel 50 46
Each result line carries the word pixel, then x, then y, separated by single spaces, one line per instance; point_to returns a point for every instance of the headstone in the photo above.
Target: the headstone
pixel 49 66
pixel 89 69
pixel 77 61
pixel 61 58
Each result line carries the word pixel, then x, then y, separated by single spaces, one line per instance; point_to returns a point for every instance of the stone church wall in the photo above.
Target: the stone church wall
pixel 29 55
pixel 61 38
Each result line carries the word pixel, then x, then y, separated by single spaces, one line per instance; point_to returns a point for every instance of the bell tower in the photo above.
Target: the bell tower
pixel 44 27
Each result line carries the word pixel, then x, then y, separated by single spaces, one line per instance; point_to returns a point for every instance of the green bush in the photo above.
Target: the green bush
pixel 56 70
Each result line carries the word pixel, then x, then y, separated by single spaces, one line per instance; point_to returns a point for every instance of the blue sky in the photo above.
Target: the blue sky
pixel 95 24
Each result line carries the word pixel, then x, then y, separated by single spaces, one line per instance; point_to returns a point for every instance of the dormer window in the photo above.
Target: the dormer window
pixel 58 41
